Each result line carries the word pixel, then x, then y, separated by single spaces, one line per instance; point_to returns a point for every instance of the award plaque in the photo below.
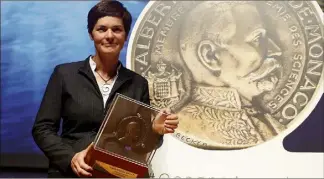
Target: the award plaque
pixel 125 143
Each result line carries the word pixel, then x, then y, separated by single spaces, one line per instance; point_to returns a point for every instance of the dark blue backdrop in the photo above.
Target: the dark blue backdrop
pixel 35 37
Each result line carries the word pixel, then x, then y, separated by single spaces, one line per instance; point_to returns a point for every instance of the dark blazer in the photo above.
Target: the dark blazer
pixel 72 94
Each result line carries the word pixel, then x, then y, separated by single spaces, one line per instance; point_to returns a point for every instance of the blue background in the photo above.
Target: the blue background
pixel 37 36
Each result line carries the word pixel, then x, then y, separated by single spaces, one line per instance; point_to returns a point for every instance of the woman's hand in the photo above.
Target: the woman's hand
pixel 79 165
pixel 165 122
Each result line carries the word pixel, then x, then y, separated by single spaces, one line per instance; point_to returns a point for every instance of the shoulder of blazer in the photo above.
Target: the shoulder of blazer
pixel 135 76
pixel 69 67
pixel 72 67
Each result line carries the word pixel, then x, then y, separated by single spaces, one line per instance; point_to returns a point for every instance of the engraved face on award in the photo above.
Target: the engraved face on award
pixel 132 134
pixel 127 132
pixel 238 73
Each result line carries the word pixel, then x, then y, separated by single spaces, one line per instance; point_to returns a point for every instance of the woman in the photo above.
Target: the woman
pixel 80 93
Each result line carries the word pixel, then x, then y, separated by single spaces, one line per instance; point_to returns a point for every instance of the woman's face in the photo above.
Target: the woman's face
pixel 109 35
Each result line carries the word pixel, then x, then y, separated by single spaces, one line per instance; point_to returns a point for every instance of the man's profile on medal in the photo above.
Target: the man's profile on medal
pixel 233 61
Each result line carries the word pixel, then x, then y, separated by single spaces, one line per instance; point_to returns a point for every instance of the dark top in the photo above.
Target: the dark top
pixel 72 94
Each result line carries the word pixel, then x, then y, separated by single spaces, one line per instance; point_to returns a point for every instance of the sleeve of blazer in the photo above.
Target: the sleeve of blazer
pixel 146 95
pixel 146 100
pixel 47 123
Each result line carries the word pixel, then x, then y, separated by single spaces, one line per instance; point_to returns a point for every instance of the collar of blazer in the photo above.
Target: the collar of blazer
pixel 123 76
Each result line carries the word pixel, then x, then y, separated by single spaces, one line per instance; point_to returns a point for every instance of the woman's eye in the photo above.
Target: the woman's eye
pixel 117 30
pixel 101 29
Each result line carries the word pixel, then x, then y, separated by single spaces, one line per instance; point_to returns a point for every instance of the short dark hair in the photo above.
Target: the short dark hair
pixel 109 8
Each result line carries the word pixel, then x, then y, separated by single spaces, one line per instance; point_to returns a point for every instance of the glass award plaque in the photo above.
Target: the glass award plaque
pixel 125 143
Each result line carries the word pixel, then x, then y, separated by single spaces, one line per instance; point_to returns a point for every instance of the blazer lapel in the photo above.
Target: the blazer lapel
pixel 87 72
pixel 123 76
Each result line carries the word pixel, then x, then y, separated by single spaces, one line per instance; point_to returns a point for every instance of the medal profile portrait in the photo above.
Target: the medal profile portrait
pixel 238 73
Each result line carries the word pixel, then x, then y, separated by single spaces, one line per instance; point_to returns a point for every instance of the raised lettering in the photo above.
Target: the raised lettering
pixel 296 4
pixel 297 64
pixel 142 58
pixel 162 9
pixel 293 76
pixel 304 12
pixel 284 92
pixel 147 32
pixel 153 21
pixel 141 46
pixel 289 112
pixel 308 84
pixel 315 51
pixel 314 32
pixel 303 98
pixel 272 105
pixel 311 70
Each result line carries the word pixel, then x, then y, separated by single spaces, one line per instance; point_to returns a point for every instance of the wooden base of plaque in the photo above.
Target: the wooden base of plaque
pixel 109 166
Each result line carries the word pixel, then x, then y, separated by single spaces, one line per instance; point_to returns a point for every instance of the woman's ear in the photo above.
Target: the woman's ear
pixel 208 53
